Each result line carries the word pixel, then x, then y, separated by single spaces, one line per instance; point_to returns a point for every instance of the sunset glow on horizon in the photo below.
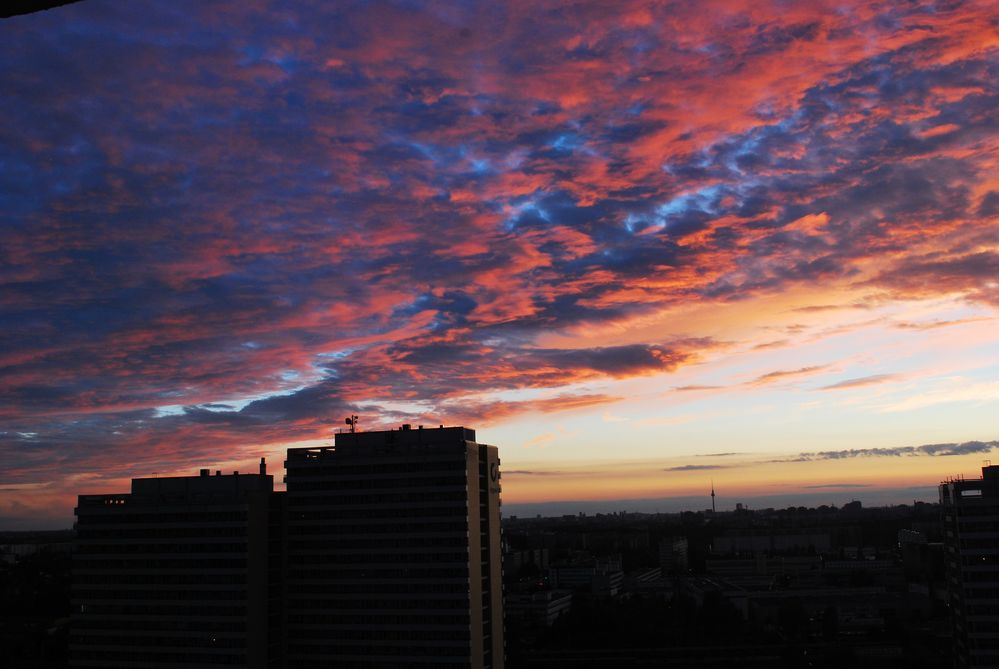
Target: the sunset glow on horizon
pixel 639 246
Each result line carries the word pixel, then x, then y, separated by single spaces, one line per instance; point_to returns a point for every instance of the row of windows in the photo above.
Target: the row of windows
pixel 337 530
pixel 111 578
pixel 975 508
pixel 160 610
pixel 980 560
pixel 443 510
pixel 389 543
pixel 981 576
pixel 988 542
pixel 412 621
pixel 375 560
pixel 374 589
pixel 160 595
pixel 425 464
pixel 162 549
pixel 454 571
pixel 978 524
pixel 341 483
pixel 381 663
pixel 350 500
pixel 982 593
pixel 347 523
pixel 187 517
pixel 85 532
pixel 138 658
pixel 199 563
pixel 153 625
pixel 123 641
pixel 337 602
pixel 364 448
pixel 456 648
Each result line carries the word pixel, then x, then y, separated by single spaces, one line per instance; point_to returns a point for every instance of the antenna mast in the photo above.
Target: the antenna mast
pixel 352 421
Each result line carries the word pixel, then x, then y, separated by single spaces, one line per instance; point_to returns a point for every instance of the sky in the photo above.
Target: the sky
pixel 644 248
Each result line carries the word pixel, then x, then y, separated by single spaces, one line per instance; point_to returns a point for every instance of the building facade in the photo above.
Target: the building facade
pixel 971 545
pixel 178 573
pixel 393 551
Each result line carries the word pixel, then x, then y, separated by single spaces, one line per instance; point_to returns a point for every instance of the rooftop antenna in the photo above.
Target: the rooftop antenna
pixel 712 495
pixel 352 421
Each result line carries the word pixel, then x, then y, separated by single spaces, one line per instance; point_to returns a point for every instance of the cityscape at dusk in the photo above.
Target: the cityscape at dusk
pixel 643 248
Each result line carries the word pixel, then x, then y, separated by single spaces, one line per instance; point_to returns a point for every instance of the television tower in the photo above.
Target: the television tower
pixel 712 496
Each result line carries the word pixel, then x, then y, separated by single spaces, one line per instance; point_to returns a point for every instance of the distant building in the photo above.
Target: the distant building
pixel 541 608
pixel 971 541
pixel 673 555
pixel 394 554
pixel 534 559
pixel 176 574
pixel 922 561
pixel 603 578
pixel 573 577
pixel 767 541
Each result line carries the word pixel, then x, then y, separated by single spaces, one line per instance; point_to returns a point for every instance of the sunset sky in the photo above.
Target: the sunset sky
pixel 638 246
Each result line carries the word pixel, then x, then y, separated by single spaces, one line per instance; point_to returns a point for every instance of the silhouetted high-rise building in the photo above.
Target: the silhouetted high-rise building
pixel 393 551
pixel 181 572
pixel 971 541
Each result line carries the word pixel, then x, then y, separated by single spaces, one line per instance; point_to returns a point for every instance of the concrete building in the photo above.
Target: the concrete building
pixel 393 551
pixel 770 542
pixel 602 578
pixel 971 542
pixel 540 608
pixel 673 555
pixel 177 573
pixel 536 559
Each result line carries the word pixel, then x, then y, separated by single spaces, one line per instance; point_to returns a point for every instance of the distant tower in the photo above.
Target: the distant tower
pixel 712 496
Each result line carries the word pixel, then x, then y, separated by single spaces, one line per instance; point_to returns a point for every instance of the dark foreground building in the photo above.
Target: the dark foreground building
pixel 178 573
pixel 394 551
pixel 383 552
pixel 971 540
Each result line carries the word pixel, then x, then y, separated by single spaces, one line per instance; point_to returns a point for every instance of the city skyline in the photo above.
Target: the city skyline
pixel 638 248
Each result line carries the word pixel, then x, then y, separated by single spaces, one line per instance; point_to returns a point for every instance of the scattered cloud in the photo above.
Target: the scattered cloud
pixel 932 325
pixel 837 486
pixel 696 388
pixel 779 343
pixel 858 382
pixel 780 375
pixel 946 391
pixel 540 441
pixel 964 448
pixel 693 468
pixel 821 308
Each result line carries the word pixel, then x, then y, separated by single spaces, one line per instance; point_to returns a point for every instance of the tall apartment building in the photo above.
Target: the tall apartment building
pixel 971 544
pixel 180 572
pixel 393 551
